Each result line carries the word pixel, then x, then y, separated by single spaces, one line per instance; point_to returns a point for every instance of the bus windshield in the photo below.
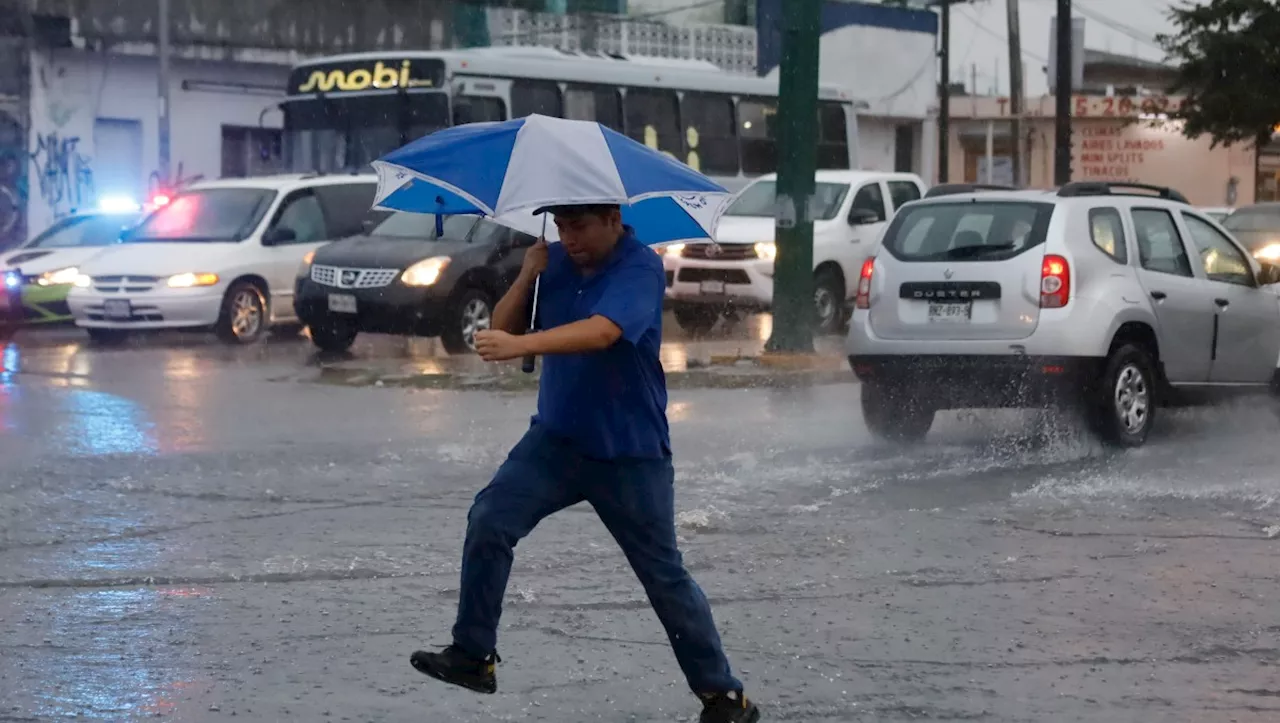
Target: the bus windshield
pixel 336 134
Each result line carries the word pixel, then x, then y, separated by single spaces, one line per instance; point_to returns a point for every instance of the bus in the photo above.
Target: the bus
pixel 342 112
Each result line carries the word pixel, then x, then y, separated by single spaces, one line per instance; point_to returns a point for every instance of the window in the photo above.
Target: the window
pixel 82 231
pixel 653 118
pixel 1222 260
pixel 423 226
pixel 251 151
pixel 871 199
pixel 967 231
pixel 757 135
pixel 901 192
pixel 346 207
pixel 303 215
pixel 477 109
pixel 1107 230
pixel 490 233
pixel 833 136
pixel 535 96
pixel 1160 246
pixel 1258 228
pixel 711 144
pixel 210 214
pixel 594 103
pixel 757 200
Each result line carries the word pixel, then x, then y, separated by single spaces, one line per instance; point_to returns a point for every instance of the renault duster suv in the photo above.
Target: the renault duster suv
pixel 1116 299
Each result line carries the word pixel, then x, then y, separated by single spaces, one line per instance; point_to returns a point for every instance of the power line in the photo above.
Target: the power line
pixel 1025 54
pixel 1126 30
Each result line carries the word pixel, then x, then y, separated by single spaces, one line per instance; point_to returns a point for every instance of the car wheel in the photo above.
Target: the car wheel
pixel 696 320
pixel 333 336
pixel 244 314
pixel 470 313
pixel 893 415
pixel 107 337
pixel 828 301
pixel 1122 407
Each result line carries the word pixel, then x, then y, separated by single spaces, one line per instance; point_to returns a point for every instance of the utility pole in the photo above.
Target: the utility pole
pixel 1015 91
pixel 944 94
pixel 1062 98
pixel 793 312
pixel 162 50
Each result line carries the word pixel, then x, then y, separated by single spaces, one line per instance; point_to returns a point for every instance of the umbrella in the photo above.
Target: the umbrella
pixel 506 169
pixel 499 168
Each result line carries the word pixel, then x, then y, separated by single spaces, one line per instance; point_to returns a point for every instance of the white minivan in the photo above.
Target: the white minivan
pixel 735 272
pixel 221 255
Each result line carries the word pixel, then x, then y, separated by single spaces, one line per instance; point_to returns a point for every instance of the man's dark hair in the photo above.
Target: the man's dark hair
pixel 598 209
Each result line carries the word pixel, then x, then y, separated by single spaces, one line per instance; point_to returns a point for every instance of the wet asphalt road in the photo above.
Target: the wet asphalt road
pixel 186 534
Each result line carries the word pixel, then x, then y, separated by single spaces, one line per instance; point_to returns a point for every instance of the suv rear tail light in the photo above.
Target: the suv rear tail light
pixel 863 300
pixel 1055 282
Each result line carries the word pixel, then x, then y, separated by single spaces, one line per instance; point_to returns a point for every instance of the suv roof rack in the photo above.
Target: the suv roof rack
pixel 952 189
pixel 1116 188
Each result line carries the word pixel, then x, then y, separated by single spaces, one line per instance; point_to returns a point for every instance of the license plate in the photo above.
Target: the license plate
pixel 951 313
pixel 342 303
pixel 712 287
pixel 117 309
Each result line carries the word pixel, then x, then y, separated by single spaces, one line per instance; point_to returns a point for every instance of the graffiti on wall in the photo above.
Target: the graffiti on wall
pixel 13 186
pixel 156 183
pixel 64 176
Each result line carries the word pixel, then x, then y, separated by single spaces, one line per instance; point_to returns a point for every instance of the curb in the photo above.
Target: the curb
pixel 748 376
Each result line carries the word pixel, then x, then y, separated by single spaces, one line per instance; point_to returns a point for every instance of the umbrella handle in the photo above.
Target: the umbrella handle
pixel 527 365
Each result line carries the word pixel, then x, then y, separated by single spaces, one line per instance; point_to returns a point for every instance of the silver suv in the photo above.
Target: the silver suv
pixel 1111 298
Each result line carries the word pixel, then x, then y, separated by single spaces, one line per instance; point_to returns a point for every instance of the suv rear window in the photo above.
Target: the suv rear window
pixel 967 230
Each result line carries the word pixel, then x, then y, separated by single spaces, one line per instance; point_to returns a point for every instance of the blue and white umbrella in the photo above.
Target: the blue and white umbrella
pixel 509 168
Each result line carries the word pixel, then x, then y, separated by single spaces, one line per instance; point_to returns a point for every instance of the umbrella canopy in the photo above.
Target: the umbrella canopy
pixel 510 168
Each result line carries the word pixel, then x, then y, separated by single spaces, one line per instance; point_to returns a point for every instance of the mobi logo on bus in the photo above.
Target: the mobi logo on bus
pixel 354 77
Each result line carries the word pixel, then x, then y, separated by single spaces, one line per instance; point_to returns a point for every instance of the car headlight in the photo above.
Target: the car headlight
pixel 305 268
pixel 767 250
pixel 191 280
pixel 82 281
pixel 1270 252
pixel 673 249
pixel 61 277
pixel 426 272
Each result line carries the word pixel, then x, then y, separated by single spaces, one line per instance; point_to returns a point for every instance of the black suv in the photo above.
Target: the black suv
pixel 412 275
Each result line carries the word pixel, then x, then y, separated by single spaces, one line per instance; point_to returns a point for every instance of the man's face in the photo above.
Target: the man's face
pixel 589 237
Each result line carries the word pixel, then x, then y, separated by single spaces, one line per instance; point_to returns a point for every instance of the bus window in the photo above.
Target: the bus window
pixel 476 109
pixel 833 136
pixel 535 96
pixel 653 119
pixel 710 142
pixel 594 103
pixel 757 135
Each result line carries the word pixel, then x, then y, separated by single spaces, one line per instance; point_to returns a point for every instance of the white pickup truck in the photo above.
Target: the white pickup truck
pixel 735 273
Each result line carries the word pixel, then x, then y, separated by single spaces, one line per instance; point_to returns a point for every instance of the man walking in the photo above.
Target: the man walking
pixel 600 435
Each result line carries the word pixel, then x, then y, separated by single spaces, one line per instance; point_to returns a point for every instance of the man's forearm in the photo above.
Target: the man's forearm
pixel 512 312
pixel 594 334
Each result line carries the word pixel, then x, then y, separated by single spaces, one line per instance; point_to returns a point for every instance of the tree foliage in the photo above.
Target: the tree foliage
pixel 1227 53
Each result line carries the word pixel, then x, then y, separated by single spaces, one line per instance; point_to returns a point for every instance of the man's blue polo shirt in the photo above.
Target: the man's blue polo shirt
pixel 610 403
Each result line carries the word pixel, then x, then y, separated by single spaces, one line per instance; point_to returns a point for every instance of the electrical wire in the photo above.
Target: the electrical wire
pixel 978 25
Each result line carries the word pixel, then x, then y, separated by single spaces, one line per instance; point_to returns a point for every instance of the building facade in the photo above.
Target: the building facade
pixel 80 100
pixel 1114 139
pixel 1119 134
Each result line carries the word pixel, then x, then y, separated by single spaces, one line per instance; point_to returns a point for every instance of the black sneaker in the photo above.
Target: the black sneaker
pixel 455 667
pixel 731 707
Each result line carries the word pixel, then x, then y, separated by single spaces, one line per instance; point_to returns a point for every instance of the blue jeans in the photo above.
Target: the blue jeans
pixel 635 499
